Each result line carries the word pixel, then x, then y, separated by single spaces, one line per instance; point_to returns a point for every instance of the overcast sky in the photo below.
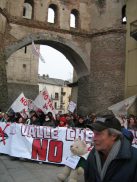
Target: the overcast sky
pixel 56 65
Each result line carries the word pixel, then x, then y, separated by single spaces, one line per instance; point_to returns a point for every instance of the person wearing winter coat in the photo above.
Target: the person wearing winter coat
pixel 112 159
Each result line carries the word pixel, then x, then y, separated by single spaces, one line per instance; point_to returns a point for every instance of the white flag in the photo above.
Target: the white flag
pixel 44 102
pixel 36 52
pixel 122 107
pixel 21 103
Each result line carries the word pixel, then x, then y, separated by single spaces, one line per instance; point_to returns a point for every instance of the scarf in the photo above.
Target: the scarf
pixel 111 156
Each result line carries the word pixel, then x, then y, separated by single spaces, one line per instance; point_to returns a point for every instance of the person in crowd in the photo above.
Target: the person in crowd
pixel 91 118
pixel 17 116
pixel 41 116
pixel 49 121
pixel 21 119
pixel 112 158
pixel 57 119
pixel 62 121
pixel 50 115
pixel 75 118
pixel 132 122
pixel 81 122
pixel 128 134
pixel 31 113
pixel 5 118
pixel 11 115
pixel 34 120
pixel 69 121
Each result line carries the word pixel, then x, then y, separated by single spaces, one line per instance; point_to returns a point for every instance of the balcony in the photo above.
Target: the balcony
pixel 133 29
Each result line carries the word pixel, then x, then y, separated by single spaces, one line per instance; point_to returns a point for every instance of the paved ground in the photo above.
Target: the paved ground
pixel 28 171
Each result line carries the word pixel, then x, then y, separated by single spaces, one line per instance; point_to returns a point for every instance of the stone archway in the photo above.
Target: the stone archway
pixel 73 53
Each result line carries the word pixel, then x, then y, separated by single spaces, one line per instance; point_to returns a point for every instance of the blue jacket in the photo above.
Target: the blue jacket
pixel 121 169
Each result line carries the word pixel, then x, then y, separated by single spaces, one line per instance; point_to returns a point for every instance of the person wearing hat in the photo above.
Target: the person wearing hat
pixel 112 159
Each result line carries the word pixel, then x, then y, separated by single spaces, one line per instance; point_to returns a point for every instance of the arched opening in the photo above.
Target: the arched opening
pixel 74 19
pixel 22 70
pixel 124 19
pixel 52 13
pixel 28 9
pixel 28 69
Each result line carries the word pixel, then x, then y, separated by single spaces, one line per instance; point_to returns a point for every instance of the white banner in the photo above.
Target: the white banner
pixel 21 103
pixel 44 102
pixel 40 143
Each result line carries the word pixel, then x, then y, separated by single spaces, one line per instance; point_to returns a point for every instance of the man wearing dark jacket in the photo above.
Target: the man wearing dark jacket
pixel 112 159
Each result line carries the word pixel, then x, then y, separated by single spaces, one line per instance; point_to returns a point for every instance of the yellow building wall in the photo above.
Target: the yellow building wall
pixel 131 51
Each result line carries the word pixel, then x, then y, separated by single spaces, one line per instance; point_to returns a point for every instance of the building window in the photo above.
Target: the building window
pixel 52 13
pixel 74 19
pixel 124 19
pixel 28 9
pixel 24 66
pixel 24 11
pixel 55 105
pixel 56 96
pixel 25 50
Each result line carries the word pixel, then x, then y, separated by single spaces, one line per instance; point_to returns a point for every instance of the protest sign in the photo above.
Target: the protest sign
pixel 71 106
pixel 20 104
pixel 44 102
pixel 72 161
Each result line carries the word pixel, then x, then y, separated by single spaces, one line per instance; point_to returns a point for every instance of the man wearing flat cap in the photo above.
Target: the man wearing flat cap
pixel 112 159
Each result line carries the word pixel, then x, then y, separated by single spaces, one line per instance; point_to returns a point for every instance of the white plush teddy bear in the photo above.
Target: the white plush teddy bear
pixel 78 148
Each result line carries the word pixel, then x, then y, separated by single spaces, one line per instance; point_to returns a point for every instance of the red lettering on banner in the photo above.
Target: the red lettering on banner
pixel 2 134
pixel 24 101
pixel 50 105
pixel 45 106
pixel 39 150
pixel 45 94
pixel 49 101
pixel 55 151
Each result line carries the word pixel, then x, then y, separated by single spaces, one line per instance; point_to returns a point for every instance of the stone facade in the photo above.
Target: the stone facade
pixel 22 74
pixel 95 47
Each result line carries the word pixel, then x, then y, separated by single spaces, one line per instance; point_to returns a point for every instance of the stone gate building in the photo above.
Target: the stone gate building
pixel 95 45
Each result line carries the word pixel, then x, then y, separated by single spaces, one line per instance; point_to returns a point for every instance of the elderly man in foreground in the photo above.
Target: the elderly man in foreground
pixel 112 159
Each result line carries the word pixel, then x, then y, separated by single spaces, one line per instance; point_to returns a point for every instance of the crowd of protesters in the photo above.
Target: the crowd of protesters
pixel 113 142
pixel 62 120
pixel 41 119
